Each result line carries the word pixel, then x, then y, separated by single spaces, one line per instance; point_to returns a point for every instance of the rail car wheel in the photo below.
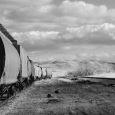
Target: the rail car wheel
pixel 3 92
pixel 11 91
pixel 31 80
pixel 20 86
pixel 14 90
pixel 17 87
pixel 24 85
pixel 26 82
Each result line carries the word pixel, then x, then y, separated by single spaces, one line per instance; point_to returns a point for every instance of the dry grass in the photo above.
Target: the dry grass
pixel 86 68
pixel 74 98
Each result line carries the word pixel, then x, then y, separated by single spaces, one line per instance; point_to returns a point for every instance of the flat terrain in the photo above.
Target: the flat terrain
pixel 67 98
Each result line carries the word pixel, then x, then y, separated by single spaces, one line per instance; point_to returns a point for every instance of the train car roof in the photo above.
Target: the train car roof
pixel 6 33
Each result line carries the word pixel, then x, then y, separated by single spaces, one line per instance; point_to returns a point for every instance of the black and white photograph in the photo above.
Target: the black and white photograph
pixel 57 57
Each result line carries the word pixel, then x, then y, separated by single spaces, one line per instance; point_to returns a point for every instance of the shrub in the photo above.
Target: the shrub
pixel 86 68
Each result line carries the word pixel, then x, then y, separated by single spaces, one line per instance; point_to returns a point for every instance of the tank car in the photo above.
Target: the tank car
pixel 26 68
pixel 38 72
pixel 9 65
pixel 15 65
pixel 49 72
pixel 33 69
pixel 17 71
pixel 44 73
pixel 30 66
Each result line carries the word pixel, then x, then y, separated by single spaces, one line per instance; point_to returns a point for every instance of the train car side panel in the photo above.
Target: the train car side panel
pixel 24 63
pixel 33 69
pixel 12 61
pixel 29 69
pixel 49 72
pixel 37 71
pixel 44 72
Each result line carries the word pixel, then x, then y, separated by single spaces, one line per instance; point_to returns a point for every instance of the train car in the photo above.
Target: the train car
pixel 49 73
pixel 44 73
pixel 29 67
pixel 9 64
pixel 30 77
pixel 17 71
pixel 38 72
pixel 33 69
pixel 26 67
pixel 15 65
pixel 24 61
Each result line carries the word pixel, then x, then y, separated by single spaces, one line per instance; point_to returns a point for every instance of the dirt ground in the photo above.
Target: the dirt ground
pixel 65 98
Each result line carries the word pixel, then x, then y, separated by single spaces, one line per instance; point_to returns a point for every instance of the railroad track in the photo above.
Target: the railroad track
pixel 4 102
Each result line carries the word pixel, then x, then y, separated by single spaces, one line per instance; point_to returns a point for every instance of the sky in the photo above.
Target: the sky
pixel 60 29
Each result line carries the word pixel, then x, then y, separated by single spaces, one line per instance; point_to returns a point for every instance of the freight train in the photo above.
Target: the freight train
pixel 17 71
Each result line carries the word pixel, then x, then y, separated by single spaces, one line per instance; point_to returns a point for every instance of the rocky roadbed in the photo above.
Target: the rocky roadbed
pixel 60 96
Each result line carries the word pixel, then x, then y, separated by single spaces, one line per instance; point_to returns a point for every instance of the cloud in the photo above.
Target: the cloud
pixel 81 8
pixel 86 13
pixel 24 12
pixel 27 15
pixel 87 34
pixel 50 25
pixel 82 31
pixel 32 36
pixel 60 16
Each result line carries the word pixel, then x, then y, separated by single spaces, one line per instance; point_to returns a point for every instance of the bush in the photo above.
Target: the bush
pixel 86 68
